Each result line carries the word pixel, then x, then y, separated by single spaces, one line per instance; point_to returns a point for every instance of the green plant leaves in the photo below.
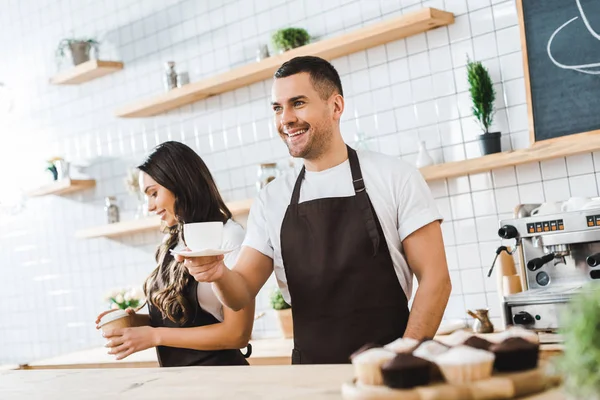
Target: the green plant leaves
pixel 482 93
pixel 277 301
pixel 290 38
pixel 580 362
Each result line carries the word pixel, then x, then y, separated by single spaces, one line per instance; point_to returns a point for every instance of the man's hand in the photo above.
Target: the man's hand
pixel 204 269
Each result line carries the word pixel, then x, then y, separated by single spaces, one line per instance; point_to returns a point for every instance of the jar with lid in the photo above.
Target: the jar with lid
pixel 266 173
pixel 112 211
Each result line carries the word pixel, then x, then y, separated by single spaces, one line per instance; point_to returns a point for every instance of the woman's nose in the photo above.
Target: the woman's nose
pixel 151 205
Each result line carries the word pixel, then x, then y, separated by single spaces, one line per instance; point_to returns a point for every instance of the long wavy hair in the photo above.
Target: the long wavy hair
pixel 180 170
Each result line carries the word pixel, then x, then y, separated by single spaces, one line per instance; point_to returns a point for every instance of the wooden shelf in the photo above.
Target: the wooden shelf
pixel 63 186
pixel 86 72
pixel 544 150
pixel 120 228
pixel 361 39
pixel 151 223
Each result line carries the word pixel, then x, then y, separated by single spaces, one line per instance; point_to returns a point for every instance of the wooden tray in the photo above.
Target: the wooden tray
pixel 501 386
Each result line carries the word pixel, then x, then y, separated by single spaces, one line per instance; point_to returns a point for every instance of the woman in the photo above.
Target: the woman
pixel 187 323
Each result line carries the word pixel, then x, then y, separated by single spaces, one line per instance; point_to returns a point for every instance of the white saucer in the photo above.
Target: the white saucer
pixel 202 253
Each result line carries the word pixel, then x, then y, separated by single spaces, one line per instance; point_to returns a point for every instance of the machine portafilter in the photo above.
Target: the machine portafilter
pixel 555 252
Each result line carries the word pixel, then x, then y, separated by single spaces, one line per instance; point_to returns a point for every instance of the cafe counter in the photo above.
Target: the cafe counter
pixel 280 382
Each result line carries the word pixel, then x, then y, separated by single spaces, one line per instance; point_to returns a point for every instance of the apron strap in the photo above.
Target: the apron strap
pixel 296 192
pixel 362 199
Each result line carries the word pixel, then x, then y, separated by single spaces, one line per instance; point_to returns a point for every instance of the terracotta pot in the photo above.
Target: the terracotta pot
pixel 285 321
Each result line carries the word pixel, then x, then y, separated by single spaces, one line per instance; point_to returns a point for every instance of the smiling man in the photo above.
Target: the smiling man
pixel 344 237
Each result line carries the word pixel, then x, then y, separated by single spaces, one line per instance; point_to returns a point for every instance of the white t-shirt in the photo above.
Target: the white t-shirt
pixel 398 192
pixel 233 236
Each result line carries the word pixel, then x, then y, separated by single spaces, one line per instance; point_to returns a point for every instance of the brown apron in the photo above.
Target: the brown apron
pixel 344 290
pixel 179 357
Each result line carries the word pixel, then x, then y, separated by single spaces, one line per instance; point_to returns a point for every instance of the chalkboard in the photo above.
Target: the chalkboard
pixel 562 62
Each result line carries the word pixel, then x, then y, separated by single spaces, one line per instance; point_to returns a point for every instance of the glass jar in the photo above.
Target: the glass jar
pixel 170 77
pixel 112 211
pixel 266 173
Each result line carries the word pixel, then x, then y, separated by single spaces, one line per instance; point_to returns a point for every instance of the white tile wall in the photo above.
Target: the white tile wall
pixel 397 94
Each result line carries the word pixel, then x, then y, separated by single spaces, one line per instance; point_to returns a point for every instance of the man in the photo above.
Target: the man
pixel 344 238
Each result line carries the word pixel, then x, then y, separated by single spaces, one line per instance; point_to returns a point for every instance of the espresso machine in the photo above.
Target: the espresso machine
pixel 559 255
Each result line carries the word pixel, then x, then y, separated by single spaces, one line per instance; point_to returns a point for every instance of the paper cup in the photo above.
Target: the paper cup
pixel 116 320
pixel 203 235
pixel 120 319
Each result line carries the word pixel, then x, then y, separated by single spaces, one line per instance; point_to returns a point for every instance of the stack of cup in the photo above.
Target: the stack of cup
pixel 509 282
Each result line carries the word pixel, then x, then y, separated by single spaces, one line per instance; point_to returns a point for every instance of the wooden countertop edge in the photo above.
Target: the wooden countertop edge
pixel 265 352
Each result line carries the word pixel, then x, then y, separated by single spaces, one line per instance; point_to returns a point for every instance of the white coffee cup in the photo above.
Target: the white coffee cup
pixel 575 203
pixel 547 208
pixel 203 235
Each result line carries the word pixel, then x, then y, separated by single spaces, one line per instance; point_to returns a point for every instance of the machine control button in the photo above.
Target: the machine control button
pixel 538 227
pixel 523 318
pixel 508 232
pixel 590 221
pixel 542 278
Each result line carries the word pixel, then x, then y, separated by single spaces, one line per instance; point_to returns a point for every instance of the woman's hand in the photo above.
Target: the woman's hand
pixel 129 311
pixel 126 341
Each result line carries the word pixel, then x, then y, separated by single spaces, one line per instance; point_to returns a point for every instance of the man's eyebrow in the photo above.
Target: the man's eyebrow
pixel 291 100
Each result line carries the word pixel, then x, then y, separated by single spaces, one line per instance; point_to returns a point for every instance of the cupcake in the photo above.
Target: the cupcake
pixel 517 331
pixel 367 365
pixel 429 349
pixel 478 343
pixel 402 345
pixel 515 354
pixel 455 338
pixel 364 348
pixel 462 364
pixel 406 371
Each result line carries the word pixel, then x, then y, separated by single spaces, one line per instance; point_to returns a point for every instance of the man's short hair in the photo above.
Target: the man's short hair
pixel 323 76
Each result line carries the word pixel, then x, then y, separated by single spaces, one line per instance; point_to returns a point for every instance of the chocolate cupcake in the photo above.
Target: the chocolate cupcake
pixel 406 371
pixel 464 364
pixel 367 365
pixel 364 348
pixel 515 354
pixel 478 343
pixel 402 345
pixel 455 338
pixel 429 349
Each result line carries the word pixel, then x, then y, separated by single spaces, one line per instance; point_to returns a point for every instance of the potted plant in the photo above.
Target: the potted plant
pixel 483 95
pixel 79 48
pixel 284 313
pixel 580 361
pixel 58 167
pixel 290 38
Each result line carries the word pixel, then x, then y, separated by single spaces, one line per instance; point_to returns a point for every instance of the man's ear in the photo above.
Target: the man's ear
pixel 337 105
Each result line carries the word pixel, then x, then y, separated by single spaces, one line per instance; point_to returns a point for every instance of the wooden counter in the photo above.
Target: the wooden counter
pixel 259 382
pixel 264 352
